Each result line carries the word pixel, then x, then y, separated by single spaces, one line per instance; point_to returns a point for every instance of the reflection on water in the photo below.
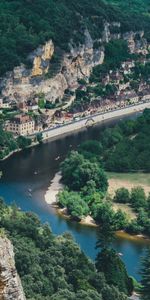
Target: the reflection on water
pixel 33 169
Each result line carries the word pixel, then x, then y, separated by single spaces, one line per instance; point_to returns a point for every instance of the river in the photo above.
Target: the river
pixel 19 176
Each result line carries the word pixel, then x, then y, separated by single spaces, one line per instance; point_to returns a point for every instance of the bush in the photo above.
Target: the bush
pixel 122 196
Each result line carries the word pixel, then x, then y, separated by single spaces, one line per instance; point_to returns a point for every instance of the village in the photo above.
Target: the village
pixel 117 89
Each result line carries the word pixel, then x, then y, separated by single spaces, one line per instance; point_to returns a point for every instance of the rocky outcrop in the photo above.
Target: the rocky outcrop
pixel 52 79
pixel 10 284
pixel 136 42
pixel 22 84
pixel 41 59
pixel 79 62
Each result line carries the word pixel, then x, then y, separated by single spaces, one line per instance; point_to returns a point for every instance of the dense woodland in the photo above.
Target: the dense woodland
pixel 125 147
pixel 54 268
pixel 24 24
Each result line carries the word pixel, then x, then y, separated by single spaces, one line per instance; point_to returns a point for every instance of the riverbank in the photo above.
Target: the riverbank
pixel 136 238
pixel 19 150
pixel 78 125
pixel 55 187
pixel 10 154
pixel 91 120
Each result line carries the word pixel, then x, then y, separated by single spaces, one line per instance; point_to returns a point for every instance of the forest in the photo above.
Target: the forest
pixel 54 267
pixel 24 24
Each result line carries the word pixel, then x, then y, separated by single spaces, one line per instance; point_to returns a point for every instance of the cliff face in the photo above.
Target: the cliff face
pixel 23 84
pixel 10 284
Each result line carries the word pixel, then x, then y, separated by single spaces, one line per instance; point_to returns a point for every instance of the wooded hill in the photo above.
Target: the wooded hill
pixel 24 24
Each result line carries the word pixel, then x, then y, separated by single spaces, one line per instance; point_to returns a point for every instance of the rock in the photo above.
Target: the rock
pixel 10 284
pixel 22 84
pixel 52 79
pixel 136 42
pixel 41 59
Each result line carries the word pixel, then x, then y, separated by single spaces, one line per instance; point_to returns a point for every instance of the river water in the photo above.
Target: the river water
pixel 18 177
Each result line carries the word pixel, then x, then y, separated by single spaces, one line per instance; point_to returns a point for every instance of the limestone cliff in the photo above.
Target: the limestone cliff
pixel 10 284
pixel 22 84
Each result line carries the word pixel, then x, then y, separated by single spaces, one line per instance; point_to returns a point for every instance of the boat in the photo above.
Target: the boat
pixel 29 190
pixel 58 157
pixel 120 254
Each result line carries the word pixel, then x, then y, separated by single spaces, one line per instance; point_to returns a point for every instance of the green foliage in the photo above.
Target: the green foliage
pixel 39 137
pixel 145 272
pixel 50 267
pixel 138 198
pixel 75 205
pixel 41 102
pixel 26 24
pixel 136 284
pixel 116 51
pixel 112 293
pixel 91 149
pixel 78 171
pixel 109 220
pixel 122 196
pixel 23 142
pixel 110 264
pixel 134 228
pixel 82 172
pixel 9 144
pixel 126 147
pixel 141 71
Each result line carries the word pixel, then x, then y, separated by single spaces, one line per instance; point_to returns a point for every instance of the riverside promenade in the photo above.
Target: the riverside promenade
pixel 98 118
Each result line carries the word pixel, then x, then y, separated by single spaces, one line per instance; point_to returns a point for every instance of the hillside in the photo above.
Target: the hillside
pixel 25 24
pixel 55 268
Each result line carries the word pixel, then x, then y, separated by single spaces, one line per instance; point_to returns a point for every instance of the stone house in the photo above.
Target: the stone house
pixel 21 125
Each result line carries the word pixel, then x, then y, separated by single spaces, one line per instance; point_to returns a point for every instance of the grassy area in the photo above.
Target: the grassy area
pixel 128 180
pixel 126 209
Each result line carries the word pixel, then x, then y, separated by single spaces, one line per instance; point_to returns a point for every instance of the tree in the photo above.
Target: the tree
pixel 91 148
pixel 109 220
pixel 78 171
pixel 122 195
pixel 145 272
pixel 112 293
pixel 75 205
pixel 148 204
pixel 109 262
pixel 39 137
pixel 138 198
pixel 23 142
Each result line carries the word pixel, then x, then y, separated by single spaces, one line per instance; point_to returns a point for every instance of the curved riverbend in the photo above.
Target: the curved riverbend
pixel 33 169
